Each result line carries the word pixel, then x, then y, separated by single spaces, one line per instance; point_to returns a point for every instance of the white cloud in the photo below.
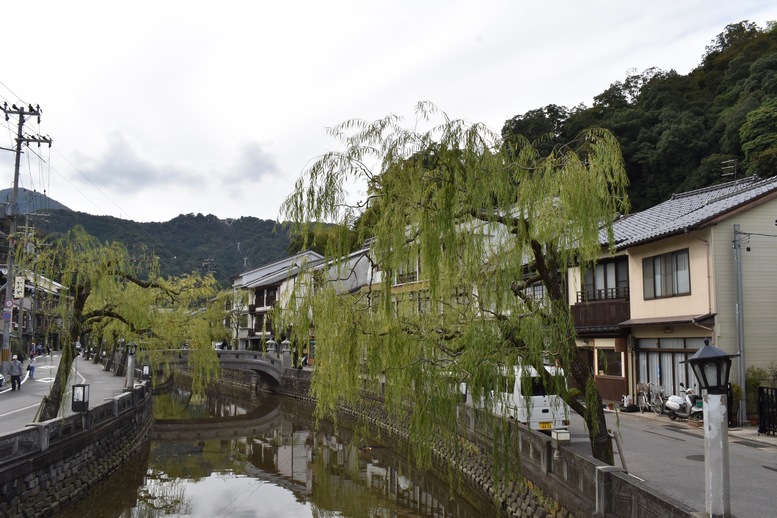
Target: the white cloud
pixel 165 108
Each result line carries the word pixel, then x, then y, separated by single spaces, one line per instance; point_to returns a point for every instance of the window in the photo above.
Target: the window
pixel 535 292
pixel 609 363
pixel 607 280
pixel 666 275
pixel 662 361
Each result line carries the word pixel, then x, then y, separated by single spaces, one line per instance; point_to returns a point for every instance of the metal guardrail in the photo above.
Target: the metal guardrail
pixel 767 410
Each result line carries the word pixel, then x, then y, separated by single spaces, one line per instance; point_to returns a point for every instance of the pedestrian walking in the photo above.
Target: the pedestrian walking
pixel 16 373
pixel 31 366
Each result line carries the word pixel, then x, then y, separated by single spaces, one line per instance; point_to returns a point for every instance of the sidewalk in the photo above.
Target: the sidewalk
pixel 748 433
pixel 17 409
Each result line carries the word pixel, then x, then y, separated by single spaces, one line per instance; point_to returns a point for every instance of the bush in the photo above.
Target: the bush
pixel 754 376
pixel 736 396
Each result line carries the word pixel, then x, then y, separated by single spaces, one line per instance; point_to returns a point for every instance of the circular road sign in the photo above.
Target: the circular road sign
pixel 9 303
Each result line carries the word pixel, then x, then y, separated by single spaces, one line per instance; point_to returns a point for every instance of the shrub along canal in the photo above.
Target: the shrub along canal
pixel 264 456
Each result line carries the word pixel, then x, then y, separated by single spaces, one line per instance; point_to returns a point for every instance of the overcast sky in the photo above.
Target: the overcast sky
pixel 173 107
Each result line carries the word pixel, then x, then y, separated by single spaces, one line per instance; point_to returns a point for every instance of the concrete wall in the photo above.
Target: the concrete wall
pixel 53 463
pixel 557 482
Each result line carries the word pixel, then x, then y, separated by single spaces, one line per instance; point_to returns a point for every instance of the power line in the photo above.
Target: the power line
pixel 21 139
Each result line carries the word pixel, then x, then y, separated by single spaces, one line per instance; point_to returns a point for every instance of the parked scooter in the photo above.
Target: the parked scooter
pixel 684 408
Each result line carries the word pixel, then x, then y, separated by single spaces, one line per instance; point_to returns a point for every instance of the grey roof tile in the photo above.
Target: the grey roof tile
pixel 687 210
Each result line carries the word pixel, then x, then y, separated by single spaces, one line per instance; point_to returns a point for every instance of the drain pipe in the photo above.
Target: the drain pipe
pixel 740 319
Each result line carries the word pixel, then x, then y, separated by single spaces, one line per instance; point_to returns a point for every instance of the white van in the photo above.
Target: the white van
pixel 544 410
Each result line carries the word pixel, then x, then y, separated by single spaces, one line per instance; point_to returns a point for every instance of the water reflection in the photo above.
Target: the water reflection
pixel 227 456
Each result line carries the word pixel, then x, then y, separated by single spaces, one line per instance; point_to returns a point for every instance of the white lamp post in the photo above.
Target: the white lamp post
pixel 711 367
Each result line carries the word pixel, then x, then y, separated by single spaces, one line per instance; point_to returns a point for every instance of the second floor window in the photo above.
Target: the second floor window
pixel 606 280
pixel 666 275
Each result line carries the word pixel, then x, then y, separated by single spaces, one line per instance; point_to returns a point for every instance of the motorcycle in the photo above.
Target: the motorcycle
pixel 689 407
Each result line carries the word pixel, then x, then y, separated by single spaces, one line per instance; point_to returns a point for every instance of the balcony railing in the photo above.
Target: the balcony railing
pixel 404 278
pixel 601 313
pixel 621 292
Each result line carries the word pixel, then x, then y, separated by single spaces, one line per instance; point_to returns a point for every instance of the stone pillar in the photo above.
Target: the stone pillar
pixel 130 379
pixel 716 486
pixel 604 489
pixel 286 354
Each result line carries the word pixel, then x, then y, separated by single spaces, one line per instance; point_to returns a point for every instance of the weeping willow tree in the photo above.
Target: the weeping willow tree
pixel 109 294
pixel 471 240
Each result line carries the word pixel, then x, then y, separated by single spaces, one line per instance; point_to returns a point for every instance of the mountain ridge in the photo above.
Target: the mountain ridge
pixel 186 243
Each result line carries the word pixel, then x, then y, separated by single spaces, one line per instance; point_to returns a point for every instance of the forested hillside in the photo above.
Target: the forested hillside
pixel 186 243
pixel 681 132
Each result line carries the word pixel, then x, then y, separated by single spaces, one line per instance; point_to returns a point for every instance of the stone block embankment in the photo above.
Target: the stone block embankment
pixel 50 464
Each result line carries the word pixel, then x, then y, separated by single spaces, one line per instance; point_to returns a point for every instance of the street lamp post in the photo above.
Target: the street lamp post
pixel 130 379
pixel 711 367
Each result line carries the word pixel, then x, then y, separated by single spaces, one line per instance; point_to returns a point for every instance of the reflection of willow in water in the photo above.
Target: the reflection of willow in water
pixel 340 482
pixel 182 403
pixel 162 495
pixel 353 482
pixel 270 456
pixel 178 404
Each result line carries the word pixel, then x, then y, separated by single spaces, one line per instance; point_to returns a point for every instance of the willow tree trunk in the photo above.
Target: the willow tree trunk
pixel 52 403
pixel 592 411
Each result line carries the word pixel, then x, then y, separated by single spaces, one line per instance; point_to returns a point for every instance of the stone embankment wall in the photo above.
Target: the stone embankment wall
pixel 557 482
pixel 46 466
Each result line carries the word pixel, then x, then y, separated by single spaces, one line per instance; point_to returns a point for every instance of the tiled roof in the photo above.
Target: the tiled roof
pixel 689 210
pixel 275 272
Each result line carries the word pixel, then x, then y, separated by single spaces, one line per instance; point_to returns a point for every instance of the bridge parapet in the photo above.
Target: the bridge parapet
pixel 267 363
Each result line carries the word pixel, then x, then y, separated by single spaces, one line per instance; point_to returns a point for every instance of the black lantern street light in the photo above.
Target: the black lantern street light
pixel 80 401
pixel 712 367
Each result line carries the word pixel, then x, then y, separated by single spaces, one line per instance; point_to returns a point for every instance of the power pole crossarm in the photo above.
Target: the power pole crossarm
pixel 22 113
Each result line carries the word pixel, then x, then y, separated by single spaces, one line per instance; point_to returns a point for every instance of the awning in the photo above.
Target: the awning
pixel 706 319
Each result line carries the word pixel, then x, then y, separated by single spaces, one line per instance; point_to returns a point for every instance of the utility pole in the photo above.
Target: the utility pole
pixel 11 211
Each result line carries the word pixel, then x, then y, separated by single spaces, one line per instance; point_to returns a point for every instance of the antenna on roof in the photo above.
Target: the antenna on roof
pixel 729 168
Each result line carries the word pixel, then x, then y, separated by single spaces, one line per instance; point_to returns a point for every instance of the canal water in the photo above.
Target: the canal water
pixel 264 456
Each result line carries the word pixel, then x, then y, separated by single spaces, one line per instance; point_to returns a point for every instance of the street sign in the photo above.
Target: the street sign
pixel 6 315
pixel 9 303
pixel 18 287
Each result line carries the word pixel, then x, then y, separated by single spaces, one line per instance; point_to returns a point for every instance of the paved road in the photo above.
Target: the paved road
pixel 669 456
pixel 19 408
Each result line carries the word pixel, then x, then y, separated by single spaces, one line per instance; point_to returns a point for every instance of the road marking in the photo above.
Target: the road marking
pixel 20 409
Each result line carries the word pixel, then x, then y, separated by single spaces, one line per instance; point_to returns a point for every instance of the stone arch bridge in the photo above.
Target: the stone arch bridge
pixel 269 365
